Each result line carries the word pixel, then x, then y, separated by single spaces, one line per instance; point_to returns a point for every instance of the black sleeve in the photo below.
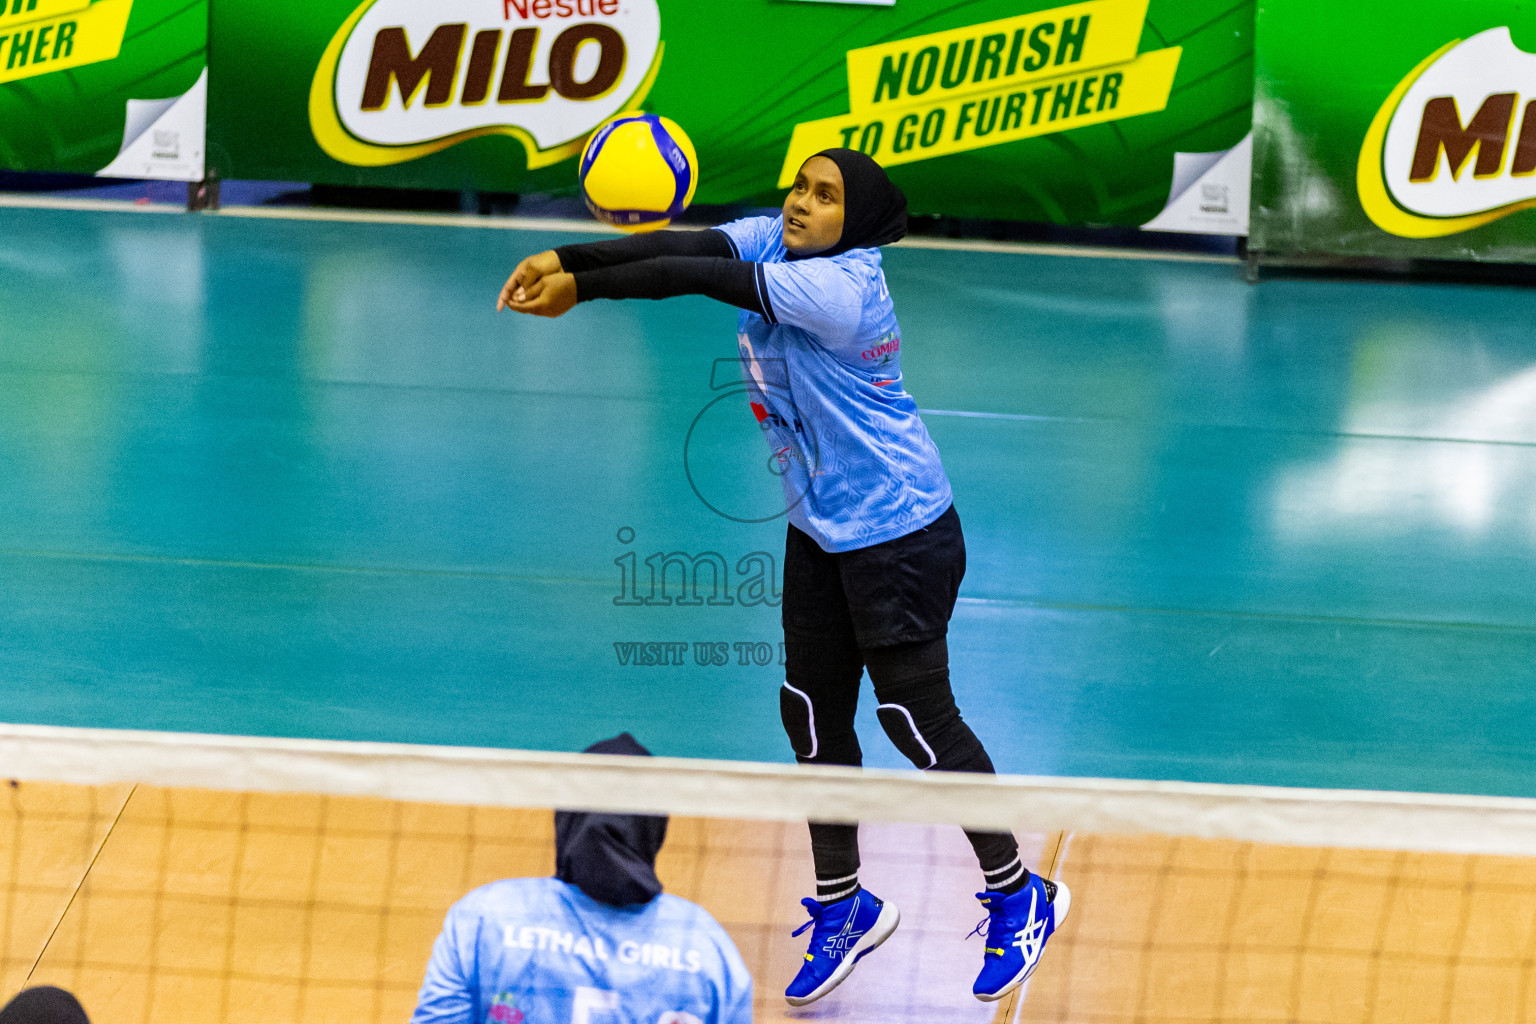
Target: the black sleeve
pixel 649 245
pixel 728 280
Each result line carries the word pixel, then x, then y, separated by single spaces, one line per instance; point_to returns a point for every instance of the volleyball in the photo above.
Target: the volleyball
pixel 638 171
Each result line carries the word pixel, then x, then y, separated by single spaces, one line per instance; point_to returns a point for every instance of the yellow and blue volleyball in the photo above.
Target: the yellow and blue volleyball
pixel 638 171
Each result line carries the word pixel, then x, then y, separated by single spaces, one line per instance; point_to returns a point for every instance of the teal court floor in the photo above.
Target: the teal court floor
pixel 298 478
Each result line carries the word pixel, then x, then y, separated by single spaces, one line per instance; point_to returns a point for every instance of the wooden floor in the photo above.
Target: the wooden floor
pixel 269 477
pixel 182 906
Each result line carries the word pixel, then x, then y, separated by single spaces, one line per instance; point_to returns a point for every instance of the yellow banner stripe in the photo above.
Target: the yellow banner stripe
pixel 994 54
pixel 16 12
pixel 92 35
pixel 962 123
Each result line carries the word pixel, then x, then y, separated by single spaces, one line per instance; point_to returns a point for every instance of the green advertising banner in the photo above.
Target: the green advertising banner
pixel 1420 143
pixel 1099 112
pixel 110 87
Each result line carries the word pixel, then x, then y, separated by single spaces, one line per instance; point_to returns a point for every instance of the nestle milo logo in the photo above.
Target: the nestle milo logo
pixel 1453 147
pixel 401 79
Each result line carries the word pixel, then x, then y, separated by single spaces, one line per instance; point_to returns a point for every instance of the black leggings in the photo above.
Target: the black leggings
pixel 917 711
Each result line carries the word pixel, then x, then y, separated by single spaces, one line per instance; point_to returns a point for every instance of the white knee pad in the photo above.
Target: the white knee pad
pixel 799 716
pixel 899 726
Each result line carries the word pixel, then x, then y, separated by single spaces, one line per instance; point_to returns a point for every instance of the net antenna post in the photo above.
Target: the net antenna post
pixel 1252 259
pixel 203 195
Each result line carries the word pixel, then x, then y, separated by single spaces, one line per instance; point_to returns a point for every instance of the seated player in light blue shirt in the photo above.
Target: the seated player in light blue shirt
pixel 874 553
pixel 599 943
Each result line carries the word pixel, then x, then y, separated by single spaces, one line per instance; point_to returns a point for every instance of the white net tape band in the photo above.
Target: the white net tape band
pixel 734 789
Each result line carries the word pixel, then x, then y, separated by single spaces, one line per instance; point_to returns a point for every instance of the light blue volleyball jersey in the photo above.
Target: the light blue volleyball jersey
pixel 824 374
pixel 536 950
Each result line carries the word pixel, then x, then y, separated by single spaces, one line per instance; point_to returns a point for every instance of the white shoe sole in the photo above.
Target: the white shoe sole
pixel 881 930
pixel 1059 907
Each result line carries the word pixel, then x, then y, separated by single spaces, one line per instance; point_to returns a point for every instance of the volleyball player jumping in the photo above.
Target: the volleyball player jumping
pixel 874 555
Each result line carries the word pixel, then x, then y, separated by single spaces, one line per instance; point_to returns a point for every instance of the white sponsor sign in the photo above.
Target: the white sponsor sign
pixel 164 138
pixel 1209 193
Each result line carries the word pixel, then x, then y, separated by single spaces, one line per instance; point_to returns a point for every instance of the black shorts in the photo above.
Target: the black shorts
pixel 898 592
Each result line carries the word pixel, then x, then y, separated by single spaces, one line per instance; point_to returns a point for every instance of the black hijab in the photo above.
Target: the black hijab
pixel 44 1005
pixel 610 857
pixel 874 209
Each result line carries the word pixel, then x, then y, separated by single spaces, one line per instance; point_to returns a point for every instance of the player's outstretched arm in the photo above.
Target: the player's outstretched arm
pixel 525 290
pixel 527 276
pixel 551 295
pixel 734 281
pixel 612 252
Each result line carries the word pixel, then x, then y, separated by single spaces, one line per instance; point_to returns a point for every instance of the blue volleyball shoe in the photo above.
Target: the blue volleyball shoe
pixel 843 932
pixel 1018 928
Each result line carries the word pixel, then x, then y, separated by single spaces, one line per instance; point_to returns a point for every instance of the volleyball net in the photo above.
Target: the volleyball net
pixel 174 878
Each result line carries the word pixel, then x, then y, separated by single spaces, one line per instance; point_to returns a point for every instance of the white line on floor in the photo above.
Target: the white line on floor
pixel 586 227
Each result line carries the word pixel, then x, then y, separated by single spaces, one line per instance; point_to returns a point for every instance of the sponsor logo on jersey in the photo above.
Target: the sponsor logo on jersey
pixel 889 345
pixel 504 1009
pixel 596 949
pixel 402 79
pixel 1453 147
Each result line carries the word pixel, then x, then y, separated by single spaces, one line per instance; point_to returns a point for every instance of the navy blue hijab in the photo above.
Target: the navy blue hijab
pixel 610 857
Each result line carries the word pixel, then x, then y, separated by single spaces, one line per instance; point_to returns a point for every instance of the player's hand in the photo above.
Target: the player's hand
pixel 528 273
pixel 551 295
